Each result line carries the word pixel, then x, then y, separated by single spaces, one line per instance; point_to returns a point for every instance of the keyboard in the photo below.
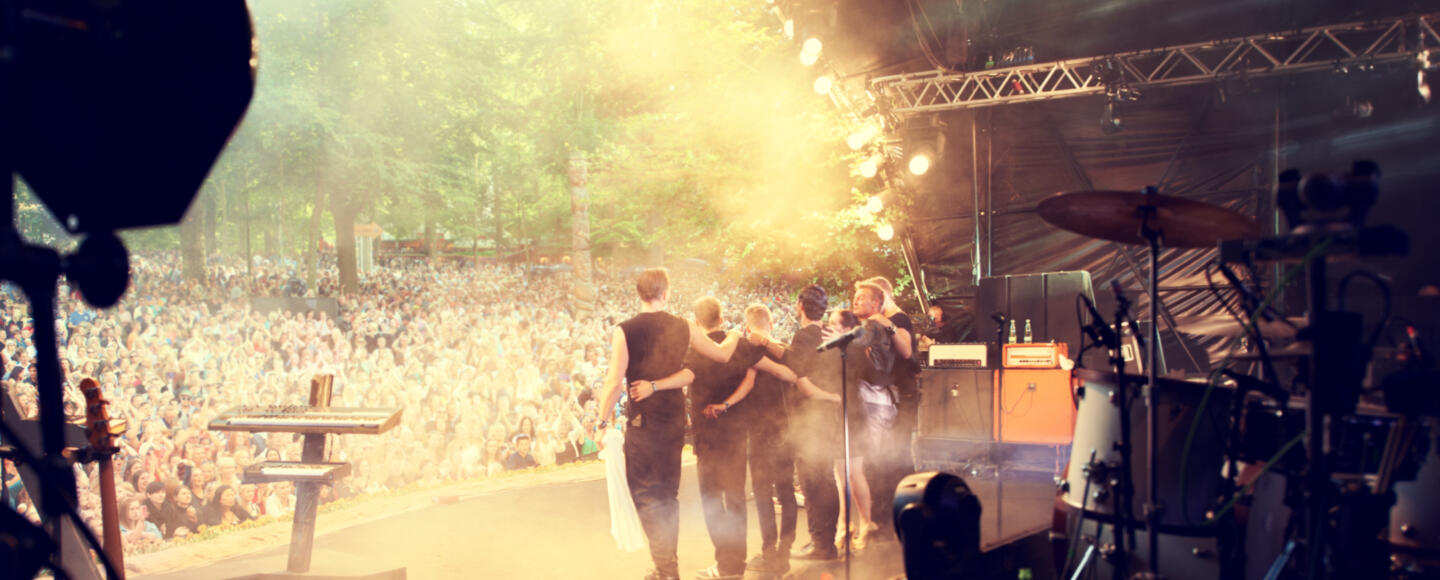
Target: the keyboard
pixel 304 419
pixel 270 471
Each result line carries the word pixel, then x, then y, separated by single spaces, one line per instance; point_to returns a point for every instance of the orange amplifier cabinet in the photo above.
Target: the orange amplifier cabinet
pixel 1040 355
pixel 1034 406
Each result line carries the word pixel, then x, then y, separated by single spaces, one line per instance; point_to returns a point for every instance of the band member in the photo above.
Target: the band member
pixel 814 429
pixel 892 458
pixel 719 435
pixel 772 462
pixel 645 349
pixel 944 330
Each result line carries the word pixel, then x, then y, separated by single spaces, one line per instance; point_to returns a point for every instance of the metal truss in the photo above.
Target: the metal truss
pixel 1325 48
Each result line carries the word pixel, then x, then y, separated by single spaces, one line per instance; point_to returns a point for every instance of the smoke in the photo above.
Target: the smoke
pixel 726 116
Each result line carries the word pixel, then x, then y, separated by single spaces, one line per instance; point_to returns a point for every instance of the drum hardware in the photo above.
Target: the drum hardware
pixel 1145 218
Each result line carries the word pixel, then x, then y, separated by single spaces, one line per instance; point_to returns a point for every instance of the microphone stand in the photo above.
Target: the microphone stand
pixel 845 426
pixel 1124 512
pixel 1000 322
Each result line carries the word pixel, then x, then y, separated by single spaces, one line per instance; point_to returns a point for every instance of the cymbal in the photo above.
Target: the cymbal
pixel 1117 216
pixel 1226 325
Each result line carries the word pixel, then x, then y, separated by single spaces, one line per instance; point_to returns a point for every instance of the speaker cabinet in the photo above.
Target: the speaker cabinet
pixel 956 403
pixel 1046 300
pixel 1034 406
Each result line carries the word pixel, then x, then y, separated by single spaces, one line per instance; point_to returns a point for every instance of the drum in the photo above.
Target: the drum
pixel 1415 519
pixel 1097 430
pixel 1265 427
pixel 1181 557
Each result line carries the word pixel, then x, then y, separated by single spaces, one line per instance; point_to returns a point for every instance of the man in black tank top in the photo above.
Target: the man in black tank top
pixel 647 349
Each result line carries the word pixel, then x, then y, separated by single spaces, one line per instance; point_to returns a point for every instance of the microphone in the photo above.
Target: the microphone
pixel 1123 313
pixel 843 340
pixel 1251 301
pixel 1099 332
pixel 998 318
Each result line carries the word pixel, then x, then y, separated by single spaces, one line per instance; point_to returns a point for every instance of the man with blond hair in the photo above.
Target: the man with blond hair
pixel 893 458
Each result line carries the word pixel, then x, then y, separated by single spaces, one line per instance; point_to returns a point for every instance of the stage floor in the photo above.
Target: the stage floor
pixel 532 528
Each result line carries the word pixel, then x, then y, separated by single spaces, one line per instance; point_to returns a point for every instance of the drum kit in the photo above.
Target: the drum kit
pixel 1238 476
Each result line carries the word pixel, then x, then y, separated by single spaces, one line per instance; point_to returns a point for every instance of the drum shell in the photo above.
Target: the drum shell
pixel 1181 557
pixel 1097 428
pixel 1415 519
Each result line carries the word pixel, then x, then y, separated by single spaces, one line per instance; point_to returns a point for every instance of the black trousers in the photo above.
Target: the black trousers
pixel 772 475
pixel 652 467
pixel 721 469
pixel 816 449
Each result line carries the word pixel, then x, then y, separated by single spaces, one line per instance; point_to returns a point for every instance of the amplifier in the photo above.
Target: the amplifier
pixel 1034 406
pixel 1045 355
pixel 956 404
pixel 959 356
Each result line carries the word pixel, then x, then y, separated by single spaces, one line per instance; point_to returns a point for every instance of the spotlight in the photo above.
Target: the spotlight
pixel 789 28
pixel 809 58
pixel 863 136
pixel 870 166
pixel 1110 120
pixel 875 205
pixel 823 84
pixel 923 141
pixel 920 162
pixel 1422 81
pixel 811 46
pixel 885 231
pixel 938 520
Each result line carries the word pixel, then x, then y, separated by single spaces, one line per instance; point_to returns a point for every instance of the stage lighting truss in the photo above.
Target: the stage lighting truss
pixel 1323 48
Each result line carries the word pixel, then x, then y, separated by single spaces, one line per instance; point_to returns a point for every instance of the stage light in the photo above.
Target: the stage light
pixel 863 136
pixel 1422 81
pixel 920 163
pixel 810 51
pixel 1110 120
pixel 937 519
pixel 885 231
pixel 789 28
pixel 823 84
pixel 870 166
pixel 874 204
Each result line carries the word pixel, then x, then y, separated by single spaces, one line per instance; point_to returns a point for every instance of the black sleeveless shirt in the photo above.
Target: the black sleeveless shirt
pixel 657 343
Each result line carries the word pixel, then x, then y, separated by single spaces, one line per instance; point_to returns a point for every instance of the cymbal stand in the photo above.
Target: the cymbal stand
pixel 1152 508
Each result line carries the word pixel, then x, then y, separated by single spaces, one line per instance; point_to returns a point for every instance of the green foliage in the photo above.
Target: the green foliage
pixel 460 116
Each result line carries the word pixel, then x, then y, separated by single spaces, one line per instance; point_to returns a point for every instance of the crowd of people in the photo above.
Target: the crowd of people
pixel 494 365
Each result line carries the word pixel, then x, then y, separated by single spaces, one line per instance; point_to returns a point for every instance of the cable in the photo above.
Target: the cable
pixel 920 36
pixel 1284 449
pixel 1213 382
pixel 1384 292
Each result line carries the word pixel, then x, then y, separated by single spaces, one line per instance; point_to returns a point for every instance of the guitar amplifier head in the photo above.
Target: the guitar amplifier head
pixel 959 356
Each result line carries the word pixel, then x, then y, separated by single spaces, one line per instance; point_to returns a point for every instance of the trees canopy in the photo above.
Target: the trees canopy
pixel 703 136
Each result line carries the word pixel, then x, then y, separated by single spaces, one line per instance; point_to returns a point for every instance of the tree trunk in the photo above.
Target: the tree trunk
pixel 249 254
pixel 192 246
pixel 345 246
pixel 312 249
pixel 427 238
pixel 584 284
pixel 210 202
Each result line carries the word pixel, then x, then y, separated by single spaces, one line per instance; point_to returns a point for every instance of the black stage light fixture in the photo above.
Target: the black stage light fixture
pixel 118 108
pixel 938 521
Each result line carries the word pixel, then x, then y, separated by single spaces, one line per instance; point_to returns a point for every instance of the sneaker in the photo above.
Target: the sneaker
pixel 817 552
pixel 656 575
pixel 713 573
pixel 760 563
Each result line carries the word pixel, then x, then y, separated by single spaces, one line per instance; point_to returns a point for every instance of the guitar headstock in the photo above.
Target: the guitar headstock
pixel 101 429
